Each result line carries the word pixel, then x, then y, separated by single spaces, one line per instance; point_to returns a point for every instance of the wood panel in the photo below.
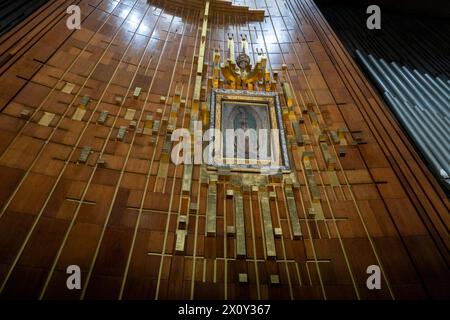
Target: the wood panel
pixel 139 226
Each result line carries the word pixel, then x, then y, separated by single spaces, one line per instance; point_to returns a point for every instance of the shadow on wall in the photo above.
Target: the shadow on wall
pixel 13 12
pixel 428 8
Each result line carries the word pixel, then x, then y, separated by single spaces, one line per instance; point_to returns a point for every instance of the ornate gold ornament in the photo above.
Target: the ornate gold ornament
pixel 239 72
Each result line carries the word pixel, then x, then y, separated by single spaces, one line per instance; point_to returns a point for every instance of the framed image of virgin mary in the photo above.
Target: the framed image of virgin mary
pixel 248 131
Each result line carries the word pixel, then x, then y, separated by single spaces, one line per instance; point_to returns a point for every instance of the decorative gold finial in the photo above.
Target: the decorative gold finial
pixel 239 71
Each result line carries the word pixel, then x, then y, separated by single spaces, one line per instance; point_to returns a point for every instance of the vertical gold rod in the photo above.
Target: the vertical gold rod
pixel 201 57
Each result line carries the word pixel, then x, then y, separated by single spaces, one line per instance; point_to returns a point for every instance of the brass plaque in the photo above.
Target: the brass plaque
pixel 298 133
pixel 187 179
pixel 318 211
pixel 240 227
pixel 129 115
pixel 211 211
pixel 68 88
pixel 181 240
pixel 46 119
pixel 293 216
pixel 288 94
pixel 79 114
pixel 268 228
pixel 334 181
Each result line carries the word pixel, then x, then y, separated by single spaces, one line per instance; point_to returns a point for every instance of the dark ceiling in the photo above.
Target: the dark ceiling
pixel 430 8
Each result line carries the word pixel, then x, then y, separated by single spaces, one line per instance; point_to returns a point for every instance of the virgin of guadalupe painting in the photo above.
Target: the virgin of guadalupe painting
pixel 248 131
pixel 248 125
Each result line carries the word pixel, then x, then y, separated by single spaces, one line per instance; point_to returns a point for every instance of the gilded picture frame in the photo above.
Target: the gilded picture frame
pixel 267 106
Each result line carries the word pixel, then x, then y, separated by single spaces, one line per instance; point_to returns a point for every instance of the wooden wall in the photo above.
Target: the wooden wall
pixel 118 220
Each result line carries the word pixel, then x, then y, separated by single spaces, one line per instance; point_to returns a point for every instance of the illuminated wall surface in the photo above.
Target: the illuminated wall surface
pixel 87 178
